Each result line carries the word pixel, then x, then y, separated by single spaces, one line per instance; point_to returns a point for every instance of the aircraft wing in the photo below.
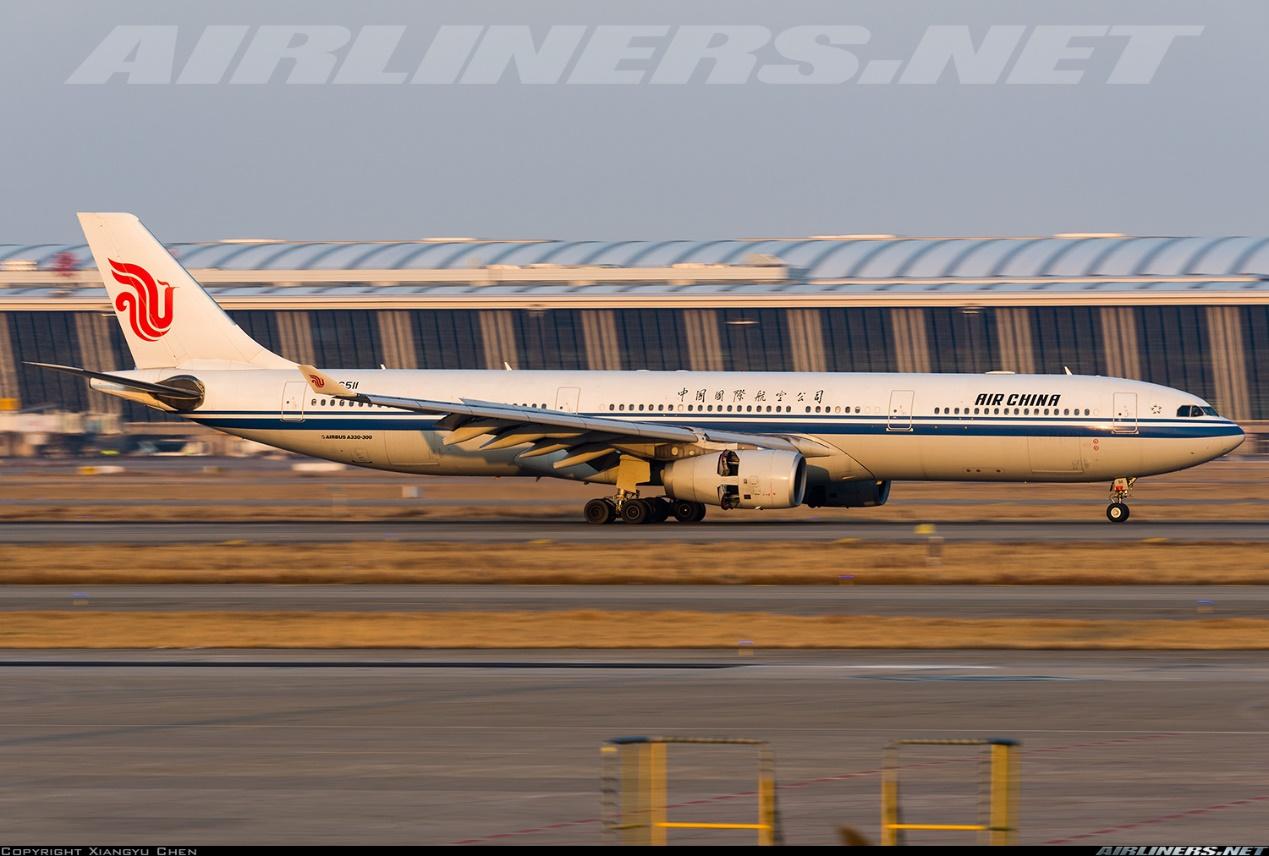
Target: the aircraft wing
pixel 587 438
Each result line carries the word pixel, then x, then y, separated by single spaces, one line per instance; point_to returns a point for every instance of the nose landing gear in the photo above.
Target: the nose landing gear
pixel 1120 489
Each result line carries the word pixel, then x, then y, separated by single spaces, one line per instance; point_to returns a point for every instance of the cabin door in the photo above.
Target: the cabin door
pixel 1125 421
pixel 566 398
pixel 899 417
pixel 293 393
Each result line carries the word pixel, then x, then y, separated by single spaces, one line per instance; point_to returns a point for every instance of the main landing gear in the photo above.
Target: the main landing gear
pixel 632 509
pixel 1120 489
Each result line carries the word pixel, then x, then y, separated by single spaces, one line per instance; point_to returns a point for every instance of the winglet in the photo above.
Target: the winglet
pixel 324 384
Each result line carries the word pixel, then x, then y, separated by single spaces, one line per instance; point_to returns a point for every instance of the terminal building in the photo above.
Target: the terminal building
pixel 1191 313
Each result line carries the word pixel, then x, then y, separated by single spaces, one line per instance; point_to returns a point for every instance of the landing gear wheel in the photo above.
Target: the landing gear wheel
pixel 637 511
pixel 600 511
pixel 661 509
pixel 1117 512
pixel 688 512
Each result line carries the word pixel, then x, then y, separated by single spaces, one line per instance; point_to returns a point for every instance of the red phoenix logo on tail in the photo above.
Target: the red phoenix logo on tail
pixel 149 313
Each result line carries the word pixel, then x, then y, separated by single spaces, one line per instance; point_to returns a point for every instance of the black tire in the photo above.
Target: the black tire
pixel 599 512
pixel 661 509
pixel 688 512
pixel 1117 512
pixel 636 511
pixel 683 511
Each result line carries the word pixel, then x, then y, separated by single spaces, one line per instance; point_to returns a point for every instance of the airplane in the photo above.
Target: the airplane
pixel 708 439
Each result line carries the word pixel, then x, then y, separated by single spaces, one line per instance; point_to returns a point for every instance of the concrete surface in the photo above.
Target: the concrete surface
pixel 500 747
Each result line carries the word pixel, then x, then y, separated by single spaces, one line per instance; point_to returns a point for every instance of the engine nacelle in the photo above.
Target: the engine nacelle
pixel 848 494
pixel 752 478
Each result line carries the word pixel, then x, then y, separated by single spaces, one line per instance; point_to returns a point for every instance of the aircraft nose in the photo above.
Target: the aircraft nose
pixel 1233 441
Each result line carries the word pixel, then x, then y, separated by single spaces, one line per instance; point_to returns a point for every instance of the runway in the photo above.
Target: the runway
pixel 500 747
pixel 577 532
pixel 1075 602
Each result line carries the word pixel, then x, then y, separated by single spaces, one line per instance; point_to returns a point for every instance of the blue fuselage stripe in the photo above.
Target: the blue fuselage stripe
pixel 762 423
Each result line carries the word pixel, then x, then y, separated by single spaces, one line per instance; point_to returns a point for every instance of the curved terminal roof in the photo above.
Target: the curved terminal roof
pixel 817 270
pixel 822 258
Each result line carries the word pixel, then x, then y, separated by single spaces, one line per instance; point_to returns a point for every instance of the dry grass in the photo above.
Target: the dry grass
pixel 545 563
pixel 605 630
pixel 1227 490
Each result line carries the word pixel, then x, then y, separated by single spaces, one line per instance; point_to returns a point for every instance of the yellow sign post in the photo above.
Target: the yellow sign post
pixel 997 786
pixel 635 779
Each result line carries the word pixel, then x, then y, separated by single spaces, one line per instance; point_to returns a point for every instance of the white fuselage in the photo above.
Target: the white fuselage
pixel 982 427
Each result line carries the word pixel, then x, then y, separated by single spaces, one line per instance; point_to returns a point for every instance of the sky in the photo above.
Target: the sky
pixel 1182 155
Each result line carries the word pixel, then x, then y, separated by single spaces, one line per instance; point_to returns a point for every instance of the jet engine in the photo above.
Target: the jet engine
pixel 848 494
pixel 751 478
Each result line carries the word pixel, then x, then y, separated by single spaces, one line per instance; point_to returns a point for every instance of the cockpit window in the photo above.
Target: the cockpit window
pixel 1189 410
pixel 1210 411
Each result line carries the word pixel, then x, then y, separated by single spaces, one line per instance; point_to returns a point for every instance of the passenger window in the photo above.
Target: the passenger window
pixel 936 411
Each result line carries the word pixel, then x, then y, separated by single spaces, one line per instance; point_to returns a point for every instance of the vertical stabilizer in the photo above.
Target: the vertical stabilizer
pixel 167 318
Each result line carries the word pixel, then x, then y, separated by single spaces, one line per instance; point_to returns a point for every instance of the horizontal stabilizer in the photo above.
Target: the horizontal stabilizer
pixel 157 389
